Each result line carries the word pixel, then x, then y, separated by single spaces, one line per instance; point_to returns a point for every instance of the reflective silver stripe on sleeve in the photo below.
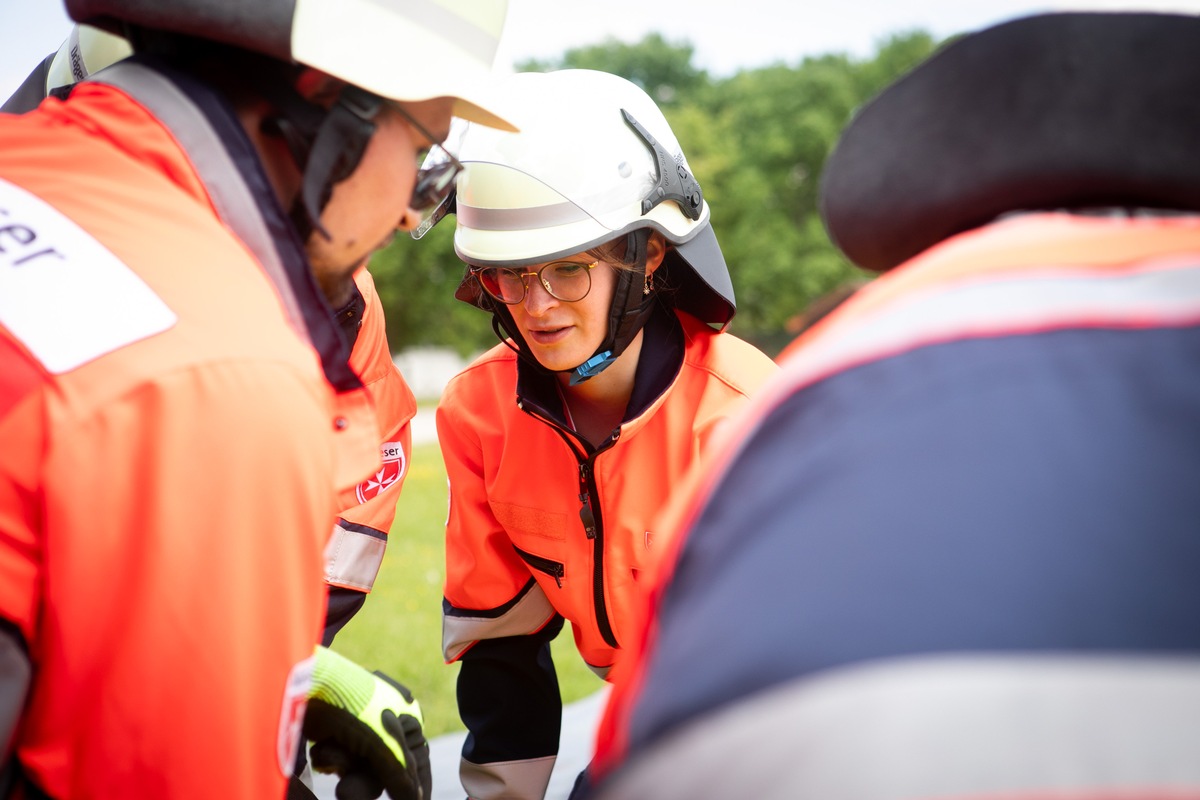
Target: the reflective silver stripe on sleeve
pixel 941 727
pixel 504 780
pixel 353 557
pixel 527 615
pixel 15 676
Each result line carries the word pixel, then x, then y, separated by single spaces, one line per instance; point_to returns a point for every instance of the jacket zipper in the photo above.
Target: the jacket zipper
pixel 587 489
pixel 589 515
pixel 554 569
pixel 586 515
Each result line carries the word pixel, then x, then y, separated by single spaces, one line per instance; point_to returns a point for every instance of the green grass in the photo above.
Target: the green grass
pixel 399 630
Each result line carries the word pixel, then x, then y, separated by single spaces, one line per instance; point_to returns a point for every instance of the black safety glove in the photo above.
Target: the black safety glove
pixel 366 728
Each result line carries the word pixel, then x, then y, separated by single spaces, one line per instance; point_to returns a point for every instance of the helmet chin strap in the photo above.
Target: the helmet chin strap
pixel 592 367
pixel 326 145
pixel 627 315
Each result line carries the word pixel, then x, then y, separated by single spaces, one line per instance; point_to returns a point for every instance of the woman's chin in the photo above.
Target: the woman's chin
pixel 557 360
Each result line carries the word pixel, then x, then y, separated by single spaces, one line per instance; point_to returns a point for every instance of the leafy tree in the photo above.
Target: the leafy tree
pixel 757 140
pixel 416 282
pixel 663 69
pixel 896 55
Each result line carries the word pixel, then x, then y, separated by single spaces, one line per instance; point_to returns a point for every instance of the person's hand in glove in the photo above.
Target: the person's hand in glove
pixel 366 728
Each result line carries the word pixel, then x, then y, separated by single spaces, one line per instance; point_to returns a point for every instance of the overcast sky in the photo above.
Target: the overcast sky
pixel 727 34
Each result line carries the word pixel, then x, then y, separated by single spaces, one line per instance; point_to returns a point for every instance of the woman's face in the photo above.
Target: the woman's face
pixel 562 335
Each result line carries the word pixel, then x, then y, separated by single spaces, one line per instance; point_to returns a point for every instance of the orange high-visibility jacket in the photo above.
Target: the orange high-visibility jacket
pixel 542 524
pixel 356 548
pixel 368 509
pixel 170 449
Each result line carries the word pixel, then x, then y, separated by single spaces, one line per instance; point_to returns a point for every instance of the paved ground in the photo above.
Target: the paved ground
pixel 579 725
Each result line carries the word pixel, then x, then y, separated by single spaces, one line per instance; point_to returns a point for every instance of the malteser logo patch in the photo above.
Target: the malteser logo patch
pixel 392 470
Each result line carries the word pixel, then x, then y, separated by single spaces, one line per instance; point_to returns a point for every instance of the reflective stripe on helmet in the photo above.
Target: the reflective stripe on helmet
pixel 519 219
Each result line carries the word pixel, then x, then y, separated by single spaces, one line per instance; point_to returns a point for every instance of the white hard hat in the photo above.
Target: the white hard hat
pixel 575 177
pixel 408 51
pixel 595 159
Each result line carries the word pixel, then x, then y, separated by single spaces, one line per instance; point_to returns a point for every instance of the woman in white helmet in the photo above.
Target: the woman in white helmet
pixel 589 241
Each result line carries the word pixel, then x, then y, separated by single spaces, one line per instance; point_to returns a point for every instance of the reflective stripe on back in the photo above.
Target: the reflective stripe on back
pixel 224 182
pixel 939 727
pixel 1160 293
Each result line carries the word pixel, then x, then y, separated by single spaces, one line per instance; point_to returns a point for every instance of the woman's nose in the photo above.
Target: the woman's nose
pixel 537 298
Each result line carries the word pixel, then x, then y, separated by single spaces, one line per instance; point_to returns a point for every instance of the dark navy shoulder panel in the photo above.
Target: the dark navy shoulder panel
pixel 1025 493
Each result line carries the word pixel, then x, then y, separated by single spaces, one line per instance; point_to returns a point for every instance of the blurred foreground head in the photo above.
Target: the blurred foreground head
pixel 1063 111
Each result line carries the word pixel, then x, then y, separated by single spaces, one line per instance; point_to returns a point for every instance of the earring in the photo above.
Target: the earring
pixel 649 284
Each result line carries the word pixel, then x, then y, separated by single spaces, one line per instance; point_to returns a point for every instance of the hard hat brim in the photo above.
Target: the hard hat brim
pixel 413 52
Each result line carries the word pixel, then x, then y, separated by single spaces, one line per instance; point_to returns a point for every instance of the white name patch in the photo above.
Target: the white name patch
pixel 64 295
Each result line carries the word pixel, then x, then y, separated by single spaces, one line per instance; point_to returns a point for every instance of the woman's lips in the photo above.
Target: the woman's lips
pixel 547 336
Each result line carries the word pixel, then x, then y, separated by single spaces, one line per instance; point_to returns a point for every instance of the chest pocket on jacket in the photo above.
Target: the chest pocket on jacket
pixel 532 521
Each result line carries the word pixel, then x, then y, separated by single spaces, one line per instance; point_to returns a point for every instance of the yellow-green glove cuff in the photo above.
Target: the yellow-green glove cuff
pixel 343 684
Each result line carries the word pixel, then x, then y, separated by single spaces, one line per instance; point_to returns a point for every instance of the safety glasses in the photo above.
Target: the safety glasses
pixel 435 178
pixel 569 281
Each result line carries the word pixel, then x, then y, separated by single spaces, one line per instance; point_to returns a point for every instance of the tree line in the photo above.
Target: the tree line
pixel 756 140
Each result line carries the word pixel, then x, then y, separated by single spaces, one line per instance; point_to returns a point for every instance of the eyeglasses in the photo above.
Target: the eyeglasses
pixel 435 181
pixel 569 281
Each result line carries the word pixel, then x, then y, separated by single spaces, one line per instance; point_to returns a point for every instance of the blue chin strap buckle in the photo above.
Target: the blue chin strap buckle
pixel 592 367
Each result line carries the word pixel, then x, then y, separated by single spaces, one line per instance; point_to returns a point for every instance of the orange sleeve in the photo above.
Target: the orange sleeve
pixel 373 502
pixel 482 569
pixel 22 430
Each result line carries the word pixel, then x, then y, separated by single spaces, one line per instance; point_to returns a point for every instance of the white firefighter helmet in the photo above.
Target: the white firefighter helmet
pixel 595 159
pixel 410 51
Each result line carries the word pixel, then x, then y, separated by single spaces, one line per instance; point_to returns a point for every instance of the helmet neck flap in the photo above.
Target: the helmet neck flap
pixel 352 40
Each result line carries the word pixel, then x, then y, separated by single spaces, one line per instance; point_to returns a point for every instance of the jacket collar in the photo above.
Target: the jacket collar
pixel 659 363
